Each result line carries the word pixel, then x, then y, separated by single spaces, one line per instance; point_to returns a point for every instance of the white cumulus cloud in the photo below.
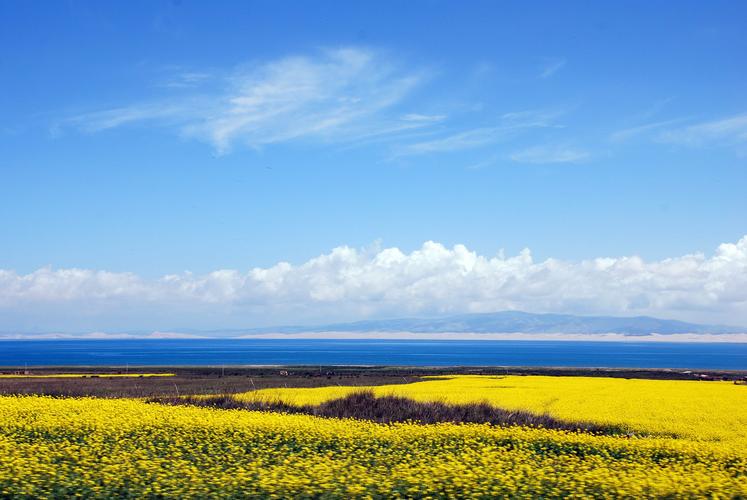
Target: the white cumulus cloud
pixel 349 283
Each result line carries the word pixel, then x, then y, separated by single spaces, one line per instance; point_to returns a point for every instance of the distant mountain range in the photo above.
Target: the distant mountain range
pixel 504 322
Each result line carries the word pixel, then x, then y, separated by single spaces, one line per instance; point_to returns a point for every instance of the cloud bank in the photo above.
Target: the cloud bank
pixel 349 283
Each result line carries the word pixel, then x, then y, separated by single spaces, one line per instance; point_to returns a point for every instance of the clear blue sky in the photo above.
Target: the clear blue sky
pixel 156 137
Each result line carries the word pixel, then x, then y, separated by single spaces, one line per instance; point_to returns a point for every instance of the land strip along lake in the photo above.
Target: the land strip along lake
pixel 212 352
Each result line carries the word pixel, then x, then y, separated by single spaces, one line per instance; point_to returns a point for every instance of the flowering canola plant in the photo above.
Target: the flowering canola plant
pixel 697 410
pixel 128 448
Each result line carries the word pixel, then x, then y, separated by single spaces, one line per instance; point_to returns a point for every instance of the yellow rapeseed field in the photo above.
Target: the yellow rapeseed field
pixel 697 410
pixel 127 448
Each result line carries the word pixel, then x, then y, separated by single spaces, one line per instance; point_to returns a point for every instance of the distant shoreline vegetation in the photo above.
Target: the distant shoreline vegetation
pixel 86 375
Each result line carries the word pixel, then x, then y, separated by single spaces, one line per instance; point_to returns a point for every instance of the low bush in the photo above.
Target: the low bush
pixel 364 405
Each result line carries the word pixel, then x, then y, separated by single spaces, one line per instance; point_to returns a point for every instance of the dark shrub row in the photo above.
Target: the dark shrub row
pixel 388 409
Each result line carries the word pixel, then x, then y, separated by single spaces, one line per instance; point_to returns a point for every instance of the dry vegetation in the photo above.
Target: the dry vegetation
pixel 365 405
pixel 232 380
pixel 192 381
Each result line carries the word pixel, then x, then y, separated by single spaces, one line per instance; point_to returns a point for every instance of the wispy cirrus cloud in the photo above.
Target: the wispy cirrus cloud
pixel 644 129
pixel 336 95
pixel 509 125
pixel 458 141
pixel 186 79
pixel 727 131
pixel 550 154
pixel 551 67
pixel 98 121
pixel 421 118
pixel 347 97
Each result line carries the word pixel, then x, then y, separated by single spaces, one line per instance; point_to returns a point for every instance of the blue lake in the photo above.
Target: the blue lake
pixel 371 352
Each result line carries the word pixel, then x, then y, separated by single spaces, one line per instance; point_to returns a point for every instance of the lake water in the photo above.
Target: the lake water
pixel 212 352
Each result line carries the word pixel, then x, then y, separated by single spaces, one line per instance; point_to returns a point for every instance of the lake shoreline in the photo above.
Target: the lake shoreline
pixel 700 338
pixel 383 371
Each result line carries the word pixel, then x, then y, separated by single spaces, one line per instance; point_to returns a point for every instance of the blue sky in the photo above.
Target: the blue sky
pixel 146 139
